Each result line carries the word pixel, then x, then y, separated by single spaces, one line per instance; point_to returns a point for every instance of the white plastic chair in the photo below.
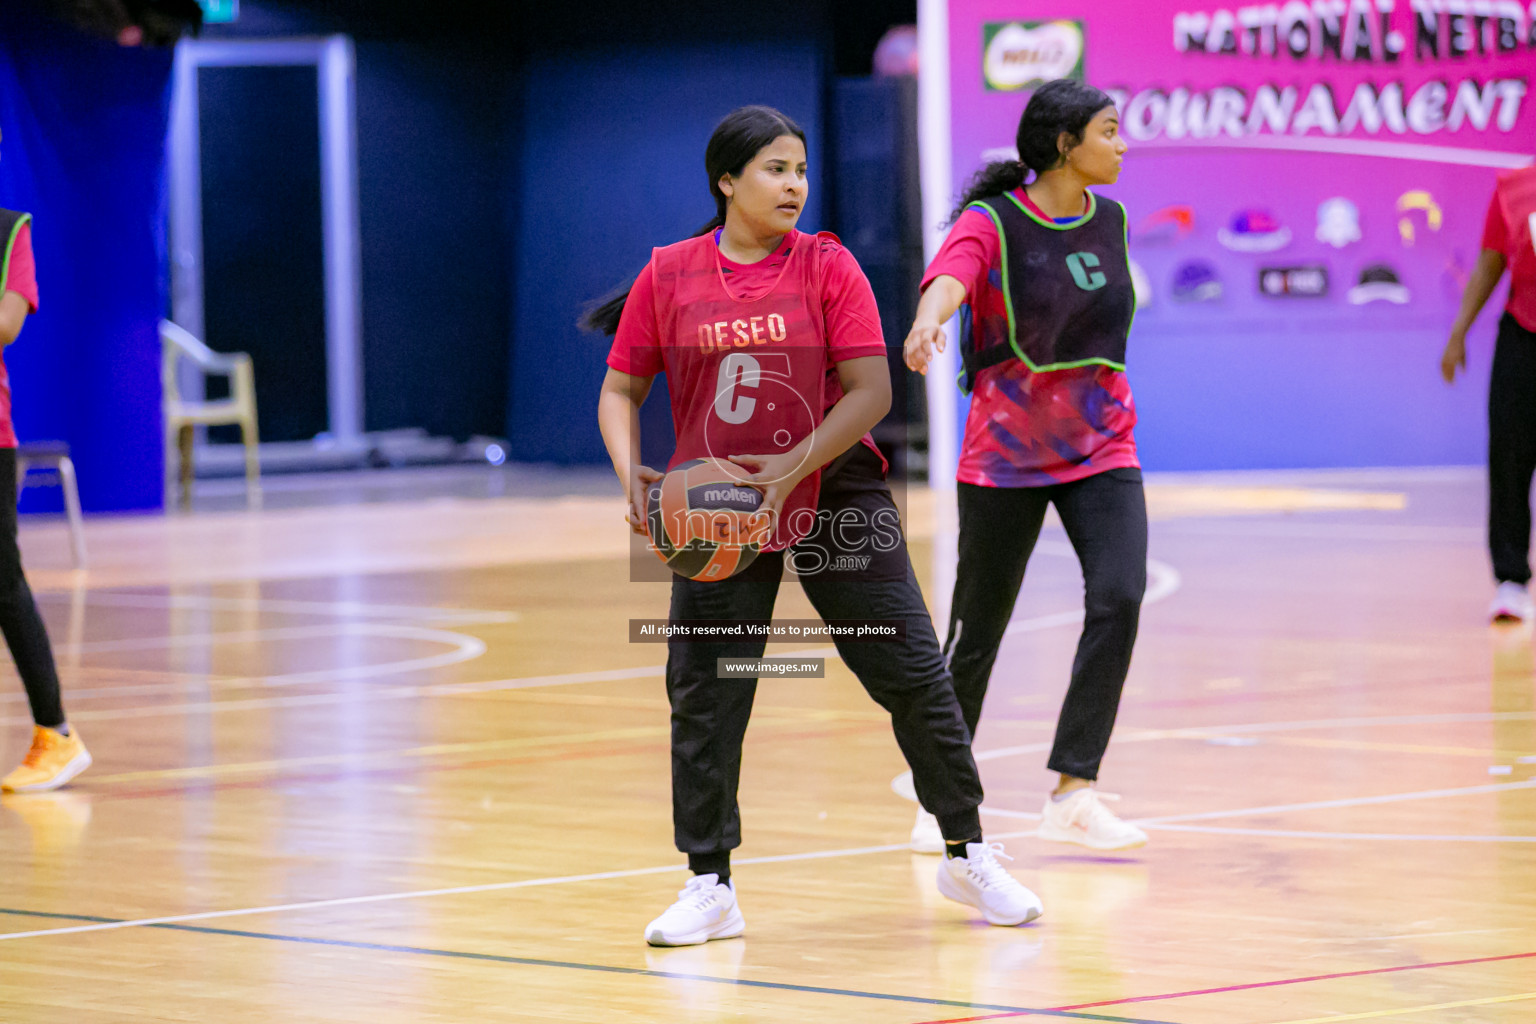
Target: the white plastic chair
pixel 182 417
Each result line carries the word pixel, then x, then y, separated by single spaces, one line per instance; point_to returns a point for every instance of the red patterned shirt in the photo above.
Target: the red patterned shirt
pixel 1028 429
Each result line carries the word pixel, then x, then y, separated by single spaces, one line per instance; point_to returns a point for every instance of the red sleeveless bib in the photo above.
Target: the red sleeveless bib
pixel 746 378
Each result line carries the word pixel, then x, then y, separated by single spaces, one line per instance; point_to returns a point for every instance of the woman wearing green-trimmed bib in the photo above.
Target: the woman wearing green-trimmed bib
pixel 1041 275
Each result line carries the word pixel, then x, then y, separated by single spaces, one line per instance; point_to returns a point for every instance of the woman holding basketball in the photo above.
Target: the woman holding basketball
pixel 772 347
pixel 1043 270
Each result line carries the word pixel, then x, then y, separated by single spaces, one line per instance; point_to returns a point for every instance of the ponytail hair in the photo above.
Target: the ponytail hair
pixel 740 136
pixel 995 179
pixel 1062 106
pixel 601 316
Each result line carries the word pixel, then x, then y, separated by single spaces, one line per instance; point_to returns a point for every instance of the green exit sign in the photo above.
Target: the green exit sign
pixel 216 11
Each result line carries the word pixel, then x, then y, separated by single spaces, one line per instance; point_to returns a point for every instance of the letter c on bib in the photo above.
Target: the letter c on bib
pixel 1081 264
pixel 737 370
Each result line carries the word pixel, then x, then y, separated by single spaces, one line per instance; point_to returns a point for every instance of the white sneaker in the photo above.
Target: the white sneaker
pixel 979 881
pixel 1511 603
pixel 1082 818
pixel 704 910
pixel 926 837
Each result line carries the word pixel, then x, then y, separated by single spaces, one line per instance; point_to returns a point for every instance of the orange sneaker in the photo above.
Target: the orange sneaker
pixel 53 760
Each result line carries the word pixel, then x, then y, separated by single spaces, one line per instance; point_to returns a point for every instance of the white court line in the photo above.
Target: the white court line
pixel 225 706
pixel 465 648
pixel 392 693
pixel 178 640
pixel 368 695
pixel 901 785
pixel 340 609
pixel 1237 527
pixel 1278 833
pixel 1358 801
pixel 1164 581
pixel 1171 822
pixel 372 695
pixel 1204 732
pixel 783 858
pixel 1424 935
pixel 1377 477
pixel 191 682
pixel 526 883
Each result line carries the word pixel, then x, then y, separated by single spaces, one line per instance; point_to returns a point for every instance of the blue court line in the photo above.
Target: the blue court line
pixel 602 968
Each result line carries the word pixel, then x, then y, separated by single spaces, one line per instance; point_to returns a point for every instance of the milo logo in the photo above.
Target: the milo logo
pixel 1024 54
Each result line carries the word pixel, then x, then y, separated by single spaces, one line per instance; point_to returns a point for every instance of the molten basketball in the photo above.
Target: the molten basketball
pixel 704 524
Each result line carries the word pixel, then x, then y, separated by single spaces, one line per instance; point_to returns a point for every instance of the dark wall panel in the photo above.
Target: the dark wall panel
pixel 611 152
pixel 435 301
pixel 263 271
pixel 432 138
pixel 878 204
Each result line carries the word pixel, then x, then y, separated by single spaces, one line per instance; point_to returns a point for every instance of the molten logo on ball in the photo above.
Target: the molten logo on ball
pixel 704 524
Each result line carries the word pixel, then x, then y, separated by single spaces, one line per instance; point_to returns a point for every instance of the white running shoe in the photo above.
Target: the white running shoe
pixel 704 910
pixel 1082 818
pixel 979 881
pixel 1511 603
pixel 926 837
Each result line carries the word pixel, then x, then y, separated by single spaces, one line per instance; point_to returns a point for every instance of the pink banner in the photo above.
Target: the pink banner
pixel 1332 160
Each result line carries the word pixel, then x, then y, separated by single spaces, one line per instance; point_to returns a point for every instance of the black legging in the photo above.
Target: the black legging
pixel 1511 451
pixel 1105 516
pixel 23 627
pixel 907 678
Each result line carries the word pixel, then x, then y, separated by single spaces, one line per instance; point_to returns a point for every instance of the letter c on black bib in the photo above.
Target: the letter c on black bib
pixel 1081 264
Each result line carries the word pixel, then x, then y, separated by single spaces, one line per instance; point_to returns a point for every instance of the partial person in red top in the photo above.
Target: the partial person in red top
pixel 20 281
pixel 1044 271
pixel 747 299
pixel 1507 242
pixel 57 753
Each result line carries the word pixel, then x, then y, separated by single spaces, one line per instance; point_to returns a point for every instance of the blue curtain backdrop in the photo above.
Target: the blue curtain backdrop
pixel 83 150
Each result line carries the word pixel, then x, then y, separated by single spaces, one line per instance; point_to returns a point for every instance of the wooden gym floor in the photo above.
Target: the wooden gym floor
pixel 396 761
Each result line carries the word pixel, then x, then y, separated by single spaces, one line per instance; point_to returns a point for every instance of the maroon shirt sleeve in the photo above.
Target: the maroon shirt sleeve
pixel 21 277
pixel 968 254
pixel 848 308
pixel 636 345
